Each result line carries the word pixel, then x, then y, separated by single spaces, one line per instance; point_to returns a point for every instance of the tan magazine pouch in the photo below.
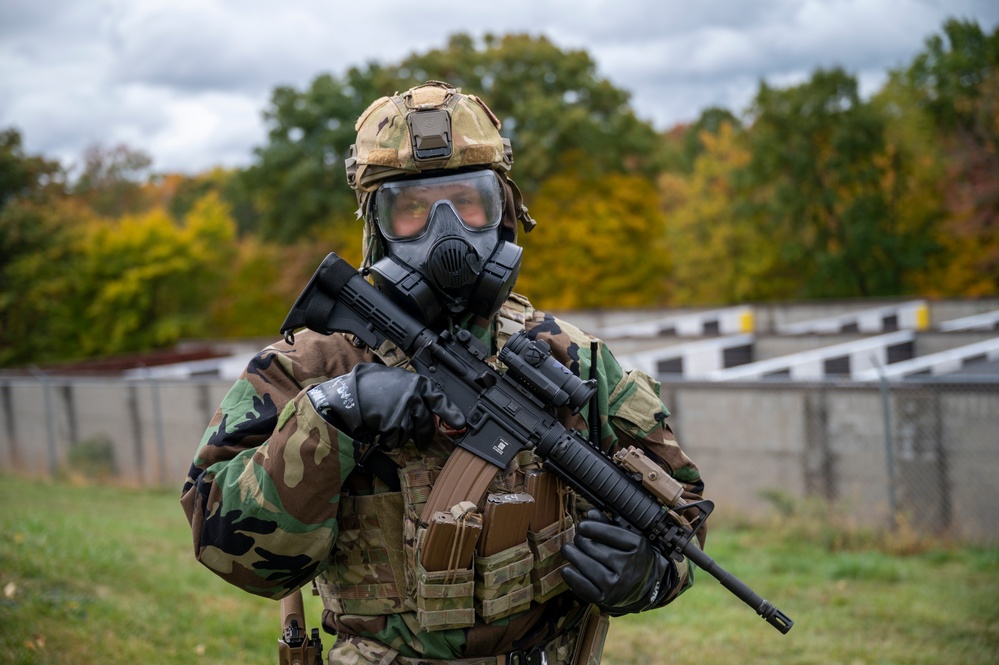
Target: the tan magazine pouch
pixel 445 578
pixel 546 547
pixel 503 582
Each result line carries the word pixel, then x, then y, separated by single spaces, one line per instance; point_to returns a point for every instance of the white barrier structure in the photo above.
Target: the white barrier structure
pixel 985 321
pixel 914 315
pixel 692 360
pixel 847 360
pixel 727 321
pixel 935 364
pixel 225 367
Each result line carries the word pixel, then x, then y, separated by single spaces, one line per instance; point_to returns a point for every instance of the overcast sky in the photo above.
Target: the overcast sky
pixel 187 80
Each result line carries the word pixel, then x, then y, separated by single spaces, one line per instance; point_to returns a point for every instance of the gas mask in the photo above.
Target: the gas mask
pixel 443 253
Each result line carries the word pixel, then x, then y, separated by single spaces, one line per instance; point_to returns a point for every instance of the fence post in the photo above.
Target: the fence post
pixel 158 426
pixel 889 447
pixel 49 417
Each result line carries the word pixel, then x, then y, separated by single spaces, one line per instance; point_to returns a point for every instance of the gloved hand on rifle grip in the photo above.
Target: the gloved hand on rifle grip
pixel 388 402
pixel 615 568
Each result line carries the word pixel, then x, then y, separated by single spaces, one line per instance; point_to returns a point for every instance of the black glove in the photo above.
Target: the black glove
pixel 389 402
pixel 614 568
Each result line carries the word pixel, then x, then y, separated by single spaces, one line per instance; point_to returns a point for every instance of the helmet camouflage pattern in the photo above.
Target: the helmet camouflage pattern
pixel 432 127
pixel 389 136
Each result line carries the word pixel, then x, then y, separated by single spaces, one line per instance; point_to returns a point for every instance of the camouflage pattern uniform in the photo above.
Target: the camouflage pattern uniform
pixel 275 498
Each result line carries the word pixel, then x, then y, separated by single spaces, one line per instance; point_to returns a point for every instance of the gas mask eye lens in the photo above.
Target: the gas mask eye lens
pixel 467 200
pixel 414 209
pixel 408 215
pixel 402 208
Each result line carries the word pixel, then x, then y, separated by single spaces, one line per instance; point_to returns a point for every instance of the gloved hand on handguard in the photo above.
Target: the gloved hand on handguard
pixel 615 568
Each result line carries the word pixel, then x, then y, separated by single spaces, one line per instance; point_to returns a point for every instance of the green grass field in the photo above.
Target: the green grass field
pixel 106 575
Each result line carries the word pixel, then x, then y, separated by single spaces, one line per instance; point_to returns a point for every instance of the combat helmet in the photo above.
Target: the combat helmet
pixel 429 129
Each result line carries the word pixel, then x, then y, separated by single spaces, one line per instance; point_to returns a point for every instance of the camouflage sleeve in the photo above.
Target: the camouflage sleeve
pixel 263 491
pixel 638 417
pixel 631 413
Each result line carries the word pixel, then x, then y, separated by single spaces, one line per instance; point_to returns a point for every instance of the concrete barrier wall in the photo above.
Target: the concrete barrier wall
pixel 744 442
pixel 828 441
pixel 154 426
pixel 823 440
pixel 972 432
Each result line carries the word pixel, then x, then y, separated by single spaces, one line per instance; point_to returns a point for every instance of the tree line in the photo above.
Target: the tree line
pixel 812 191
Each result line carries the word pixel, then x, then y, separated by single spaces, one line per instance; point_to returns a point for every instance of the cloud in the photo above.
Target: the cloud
pixel 187 80
pixel 200 47
pixel 219 124
pixel 722 63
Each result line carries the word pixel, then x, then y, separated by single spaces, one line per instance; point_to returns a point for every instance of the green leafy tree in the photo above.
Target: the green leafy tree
pixel 298 179
pixel 33 238
pixel 23 176
pixel 599 243
pixel 550 102
pixel 953 77
pixel 816 181
pixel 181 192
pixel 682 145
pixel 26 182
pixel 955 81
pixel 914 180
pixel 148 281
pixel 39 310
pixel 257 291
pixel 112 179
pixel 719 255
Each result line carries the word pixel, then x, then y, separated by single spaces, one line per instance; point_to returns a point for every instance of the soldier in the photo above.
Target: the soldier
pixel 319 460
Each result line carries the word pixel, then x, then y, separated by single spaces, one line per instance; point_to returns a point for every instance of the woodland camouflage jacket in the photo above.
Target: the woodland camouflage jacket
pixel 273 494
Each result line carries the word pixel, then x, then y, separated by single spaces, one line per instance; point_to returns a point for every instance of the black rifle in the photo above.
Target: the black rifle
pixel 508 412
